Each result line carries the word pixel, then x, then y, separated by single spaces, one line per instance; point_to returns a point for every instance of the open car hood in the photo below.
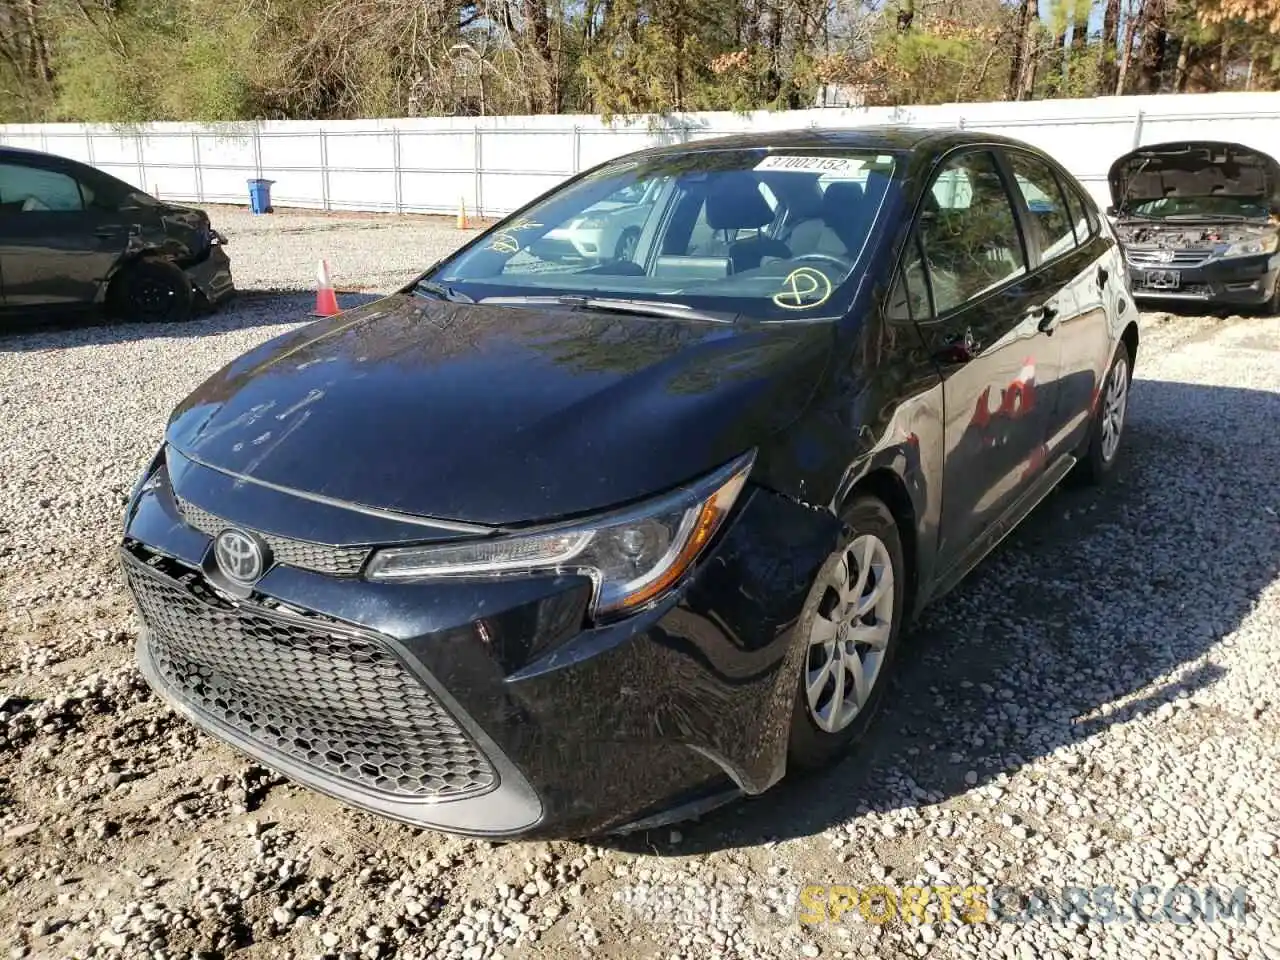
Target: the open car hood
pixel 1193 168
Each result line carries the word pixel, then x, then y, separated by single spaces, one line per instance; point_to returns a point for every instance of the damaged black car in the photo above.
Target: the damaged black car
pixel 547 544
pixel 73 239
pixel 1200 221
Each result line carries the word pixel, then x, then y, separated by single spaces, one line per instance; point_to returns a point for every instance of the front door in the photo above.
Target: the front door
pixel 55 249
pixel 984 333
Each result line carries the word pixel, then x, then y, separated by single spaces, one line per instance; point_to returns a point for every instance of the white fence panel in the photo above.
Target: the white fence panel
pixel 496 164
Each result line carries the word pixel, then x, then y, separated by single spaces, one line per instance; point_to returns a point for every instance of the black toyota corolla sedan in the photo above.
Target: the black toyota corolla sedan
pixel 557 542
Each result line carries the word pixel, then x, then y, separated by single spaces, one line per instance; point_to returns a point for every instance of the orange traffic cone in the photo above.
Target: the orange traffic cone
pixel 462 215
pixel 326 299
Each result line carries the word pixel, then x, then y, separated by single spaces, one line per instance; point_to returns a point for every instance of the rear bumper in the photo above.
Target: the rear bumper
pixel 1243 281
pixel 212 276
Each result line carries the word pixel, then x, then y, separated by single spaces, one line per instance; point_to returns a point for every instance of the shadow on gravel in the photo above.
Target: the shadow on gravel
pixel 250 308
pixel 1091 614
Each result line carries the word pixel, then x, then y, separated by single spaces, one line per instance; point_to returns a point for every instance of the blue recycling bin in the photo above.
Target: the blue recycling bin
pixel 260 195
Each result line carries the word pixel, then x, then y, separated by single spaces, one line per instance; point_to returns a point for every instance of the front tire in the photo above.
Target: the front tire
pixel 850 626
pixel 151 291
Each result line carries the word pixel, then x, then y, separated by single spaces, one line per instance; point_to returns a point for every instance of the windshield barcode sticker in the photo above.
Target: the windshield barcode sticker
pixel 810 164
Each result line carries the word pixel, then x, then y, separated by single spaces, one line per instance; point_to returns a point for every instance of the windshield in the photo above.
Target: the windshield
pixel 1209 207
pixel 748 233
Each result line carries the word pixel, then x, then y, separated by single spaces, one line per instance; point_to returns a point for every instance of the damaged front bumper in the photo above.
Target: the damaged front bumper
pixel 473 706
pixel 211 277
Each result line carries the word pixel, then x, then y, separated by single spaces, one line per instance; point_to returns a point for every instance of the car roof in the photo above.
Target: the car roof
pixel 889 137
pixel 20 154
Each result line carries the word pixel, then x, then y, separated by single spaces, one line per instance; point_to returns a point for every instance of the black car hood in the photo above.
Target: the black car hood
pixel 1193 168
pixel 498 414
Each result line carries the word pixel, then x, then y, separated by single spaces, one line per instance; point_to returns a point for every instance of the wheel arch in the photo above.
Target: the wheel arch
pixel 108 290
pixel 888 486
pixel 1129 337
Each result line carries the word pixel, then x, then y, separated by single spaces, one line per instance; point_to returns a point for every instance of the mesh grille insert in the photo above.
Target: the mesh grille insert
pixel 337 561
pixel 319 694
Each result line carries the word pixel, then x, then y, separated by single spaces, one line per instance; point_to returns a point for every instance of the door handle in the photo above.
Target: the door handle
pixel 1046 317
pixel 958 348
pixel 1103 276
pixel 106 234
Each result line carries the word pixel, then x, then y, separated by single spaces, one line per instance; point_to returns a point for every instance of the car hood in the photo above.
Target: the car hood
pixel 1193 168
pixel 498 414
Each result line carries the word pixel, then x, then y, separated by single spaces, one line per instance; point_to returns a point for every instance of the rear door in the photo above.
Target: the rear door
pixel 983 331
pixel 56 246
pixel 1072 278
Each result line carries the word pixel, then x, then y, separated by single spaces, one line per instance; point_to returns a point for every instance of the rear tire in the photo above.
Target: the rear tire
pixel 848 655
pixel 1107 429
pixel 151 291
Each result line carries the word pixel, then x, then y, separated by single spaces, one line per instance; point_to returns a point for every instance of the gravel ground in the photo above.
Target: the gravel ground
pixel 1098 705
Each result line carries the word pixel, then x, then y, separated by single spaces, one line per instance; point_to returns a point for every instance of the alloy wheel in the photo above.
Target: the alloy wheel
pixel 850 633
pixel 1113 408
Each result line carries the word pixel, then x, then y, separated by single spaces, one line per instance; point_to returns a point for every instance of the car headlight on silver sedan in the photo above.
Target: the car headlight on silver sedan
pixel 633 556
pixel 1253 247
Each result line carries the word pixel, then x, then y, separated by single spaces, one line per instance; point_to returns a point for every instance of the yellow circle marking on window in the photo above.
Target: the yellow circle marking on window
pixel 504 243
pixel 803 289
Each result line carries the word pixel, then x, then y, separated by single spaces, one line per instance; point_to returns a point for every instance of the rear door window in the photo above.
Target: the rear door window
pixel 1090 211
pixel 1045 201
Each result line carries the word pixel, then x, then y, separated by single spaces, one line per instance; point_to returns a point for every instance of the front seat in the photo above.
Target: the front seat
pixel 844 212
pixel 841 229
pixel 734 203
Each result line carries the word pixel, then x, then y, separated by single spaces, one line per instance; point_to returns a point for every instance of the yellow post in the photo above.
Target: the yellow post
pixel 462 214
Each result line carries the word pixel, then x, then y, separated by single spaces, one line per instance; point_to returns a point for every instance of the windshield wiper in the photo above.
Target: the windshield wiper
pixel 1214 217
pixel 639 308
pixel 442 291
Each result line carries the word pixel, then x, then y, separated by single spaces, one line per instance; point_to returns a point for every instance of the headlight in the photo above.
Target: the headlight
pixel 1250 248
pixel 632 557
pixel 590 223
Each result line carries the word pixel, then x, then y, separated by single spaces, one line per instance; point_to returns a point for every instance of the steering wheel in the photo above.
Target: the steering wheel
pixel 825 258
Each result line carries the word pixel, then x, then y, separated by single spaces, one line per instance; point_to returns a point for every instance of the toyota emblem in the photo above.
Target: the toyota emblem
pixel 239 556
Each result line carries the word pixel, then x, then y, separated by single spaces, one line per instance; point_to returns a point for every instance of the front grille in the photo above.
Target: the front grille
pixel 1181 258
pixel 313 691
pixel 335 561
